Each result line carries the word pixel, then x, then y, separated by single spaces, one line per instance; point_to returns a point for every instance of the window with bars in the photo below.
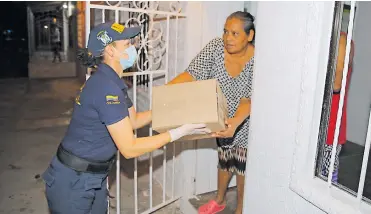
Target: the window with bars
pixel 340 162
pixel 329 170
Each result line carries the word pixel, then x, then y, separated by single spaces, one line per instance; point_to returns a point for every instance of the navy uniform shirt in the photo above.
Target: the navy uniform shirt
pixel 102 101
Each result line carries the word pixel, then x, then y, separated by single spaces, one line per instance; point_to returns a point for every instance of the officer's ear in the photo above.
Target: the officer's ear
pixel 110 50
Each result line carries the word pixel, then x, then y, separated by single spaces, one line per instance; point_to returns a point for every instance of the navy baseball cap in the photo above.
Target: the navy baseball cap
pixel 106 33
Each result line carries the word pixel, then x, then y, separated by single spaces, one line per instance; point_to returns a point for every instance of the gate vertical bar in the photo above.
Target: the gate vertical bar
pixel 148 18
pixel 118 161
pixel 130 16
pixel 342 92
pixel 167 48
pixel 147 29
pixel 135 133
pixel 141 77
pixel 175 70
pixel 166 79
pixel 150 154
pixel 135 159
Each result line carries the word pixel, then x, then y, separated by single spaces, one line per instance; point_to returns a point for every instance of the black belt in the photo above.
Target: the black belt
pixel 82 165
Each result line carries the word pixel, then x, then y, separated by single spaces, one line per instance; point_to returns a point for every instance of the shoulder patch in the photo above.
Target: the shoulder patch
pixel 112 99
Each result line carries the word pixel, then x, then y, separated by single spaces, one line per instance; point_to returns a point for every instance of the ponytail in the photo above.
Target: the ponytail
pixel 87 59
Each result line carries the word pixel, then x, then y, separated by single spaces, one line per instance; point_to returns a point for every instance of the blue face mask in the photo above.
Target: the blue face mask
pixel 132 54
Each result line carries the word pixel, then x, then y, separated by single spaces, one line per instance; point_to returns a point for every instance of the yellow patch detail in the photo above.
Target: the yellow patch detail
pixel 117 27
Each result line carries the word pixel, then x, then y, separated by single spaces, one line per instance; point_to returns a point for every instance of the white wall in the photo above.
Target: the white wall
pixel 286 31
pixel 251 7
pixel 359 100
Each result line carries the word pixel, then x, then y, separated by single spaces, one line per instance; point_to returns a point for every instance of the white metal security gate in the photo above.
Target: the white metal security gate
pixel 155 55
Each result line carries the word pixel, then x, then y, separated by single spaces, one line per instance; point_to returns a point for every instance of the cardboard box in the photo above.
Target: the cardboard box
pixel 192 102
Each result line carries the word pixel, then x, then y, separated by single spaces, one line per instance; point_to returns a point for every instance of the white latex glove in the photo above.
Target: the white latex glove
pixel 188 129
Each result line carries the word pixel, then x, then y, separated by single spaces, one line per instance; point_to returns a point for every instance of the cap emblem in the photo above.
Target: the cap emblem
pixel 104 38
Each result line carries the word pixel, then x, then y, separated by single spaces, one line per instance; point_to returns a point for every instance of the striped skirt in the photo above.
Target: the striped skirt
pixel 232 159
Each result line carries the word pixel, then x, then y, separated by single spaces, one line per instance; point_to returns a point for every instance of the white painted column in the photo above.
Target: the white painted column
pixel 69 9
pixel 39 29
pixel 48 34
pixel 32 22
pixel 289 35
pixel 65 35
pixel 29 29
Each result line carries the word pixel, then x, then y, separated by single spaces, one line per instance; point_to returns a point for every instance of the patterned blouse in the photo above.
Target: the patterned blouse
pixel 209 64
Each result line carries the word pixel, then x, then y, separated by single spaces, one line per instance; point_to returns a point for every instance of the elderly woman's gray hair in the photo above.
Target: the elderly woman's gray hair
pixel 247 19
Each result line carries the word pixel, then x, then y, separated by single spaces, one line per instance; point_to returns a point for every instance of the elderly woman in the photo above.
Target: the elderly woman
pixel 230 60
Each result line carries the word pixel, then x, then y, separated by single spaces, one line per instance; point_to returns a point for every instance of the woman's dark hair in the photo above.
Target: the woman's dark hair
pixel 87 59
pixel 247 19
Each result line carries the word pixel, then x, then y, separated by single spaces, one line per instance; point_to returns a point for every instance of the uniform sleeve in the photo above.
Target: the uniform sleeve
pixel 111 106
pixel 129 103
pixel 201 66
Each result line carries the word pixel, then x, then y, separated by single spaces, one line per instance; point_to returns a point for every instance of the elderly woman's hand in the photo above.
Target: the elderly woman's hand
pixel 231 125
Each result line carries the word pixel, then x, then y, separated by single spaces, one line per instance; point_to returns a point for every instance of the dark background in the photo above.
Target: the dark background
pixel 13 40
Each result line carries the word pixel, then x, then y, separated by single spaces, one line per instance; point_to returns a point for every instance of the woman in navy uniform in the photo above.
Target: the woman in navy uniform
pixel 102 122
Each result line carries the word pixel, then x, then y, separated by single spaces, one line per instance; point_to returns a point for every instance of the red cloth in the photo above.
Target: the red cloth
pixel 333 116
pixel 334 110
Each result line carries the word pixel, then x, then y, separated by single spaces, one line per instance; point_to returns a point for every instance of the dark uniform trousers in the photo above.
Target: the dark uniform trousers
pixel 71 192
